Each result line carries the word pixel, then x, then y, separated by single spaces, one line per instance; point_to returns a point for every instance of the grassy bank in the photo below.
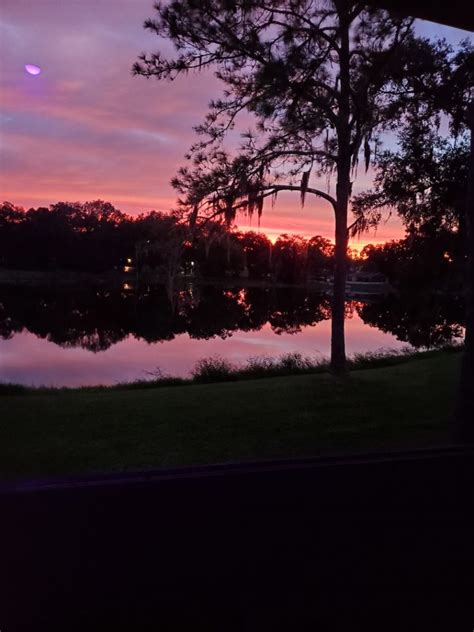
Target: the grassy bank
pixel 49 432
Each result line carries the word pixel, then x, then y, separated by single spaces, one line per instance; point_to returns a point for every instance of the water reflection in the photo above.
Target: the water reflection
pixel 422 320
pixel 48 334
pixel 96 319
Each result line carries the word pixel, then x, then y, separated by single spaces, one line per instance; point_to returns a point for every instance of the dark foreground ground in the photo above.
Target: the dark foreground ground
pixel 325 544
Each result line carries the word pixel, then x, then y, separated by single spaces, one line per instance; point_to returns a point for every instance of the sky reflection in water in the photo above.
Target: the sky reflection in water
pixel 27 359
pixel 100 336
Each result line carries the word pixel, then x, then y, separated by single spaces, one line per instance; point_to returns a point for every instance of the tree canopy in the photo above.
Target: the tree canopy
pixel 425 178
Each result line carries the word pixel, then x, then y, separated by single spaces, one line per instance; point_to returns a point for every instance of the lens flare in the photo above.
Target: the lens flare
pixel 31 69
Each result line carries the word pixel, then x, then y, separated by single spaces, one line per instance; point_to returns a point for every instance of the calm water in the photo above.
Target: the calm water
pixel 83 337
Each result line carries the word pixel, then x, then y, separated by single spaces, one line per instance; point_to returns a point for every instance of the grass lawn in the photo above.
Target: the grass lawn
pixel 75 431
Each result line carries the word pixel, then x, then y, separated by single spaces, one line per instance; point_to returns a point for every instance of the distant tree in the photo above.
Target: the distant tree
pixel 321 78
pixel 99 214
pixel 10 215
pixel 217 250
pixel 90 236
pixel 257 249
pixel 320 257
pixel 290 258
pixel 158 255
pixel 209 233
pixel 11 219
pixel 46 240
pixel 424 262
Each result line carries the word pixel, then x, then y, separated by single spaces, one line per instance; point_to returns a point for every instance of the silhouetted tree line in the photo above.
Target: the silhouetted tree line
pixel 96 319
pixel 97 237
pixel 419 262
pixel 90 236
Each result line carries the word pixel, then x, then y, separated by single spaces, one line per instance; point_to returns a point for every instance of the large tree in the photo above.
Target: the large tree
pixel 430 183
pixel 318 79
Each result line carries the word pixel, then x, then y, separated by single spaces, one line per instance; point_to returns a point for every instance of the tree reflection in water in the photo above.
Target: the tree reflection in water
pixel 97 318
pixel 423 320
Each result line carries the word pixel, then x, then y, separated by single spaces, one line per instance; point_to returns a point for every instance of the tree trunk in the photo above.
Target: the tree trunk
pixel 338 345
pixel 227 246
pixel 463 426
pixel 343 190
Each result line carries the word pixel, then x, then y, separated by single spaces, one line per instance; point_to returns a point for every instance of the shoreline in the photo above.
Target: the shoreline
pixel 60 278
pixel 216 370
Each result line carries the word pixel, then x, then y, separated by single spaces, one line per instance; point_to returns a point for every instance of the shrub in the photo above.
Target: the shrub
pixel 214 369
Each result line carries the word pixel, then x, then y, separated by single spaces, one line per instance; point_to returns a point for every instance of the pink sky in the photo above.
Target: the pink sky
pixel 86 129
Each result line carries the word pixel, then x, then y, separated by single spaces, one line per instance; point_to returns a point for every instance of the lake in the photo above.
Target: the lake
pixel 90 336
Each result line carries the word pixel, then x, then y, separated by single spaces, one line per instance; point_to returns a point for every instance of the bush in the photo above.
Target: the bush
pixel 214 369
pixel 287 364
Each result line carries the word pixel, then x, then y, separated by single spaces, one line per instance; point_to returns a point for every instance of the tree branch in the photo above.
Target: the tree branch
pixel 290 187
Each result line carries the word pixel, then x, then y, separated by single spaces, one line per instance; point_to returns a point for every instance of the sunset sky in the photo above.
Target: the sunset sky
pixel 85 128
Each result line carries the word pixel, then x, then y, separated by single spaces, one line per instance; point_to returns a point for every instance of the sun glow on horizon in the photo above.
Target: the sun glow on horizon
pixel 357 244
